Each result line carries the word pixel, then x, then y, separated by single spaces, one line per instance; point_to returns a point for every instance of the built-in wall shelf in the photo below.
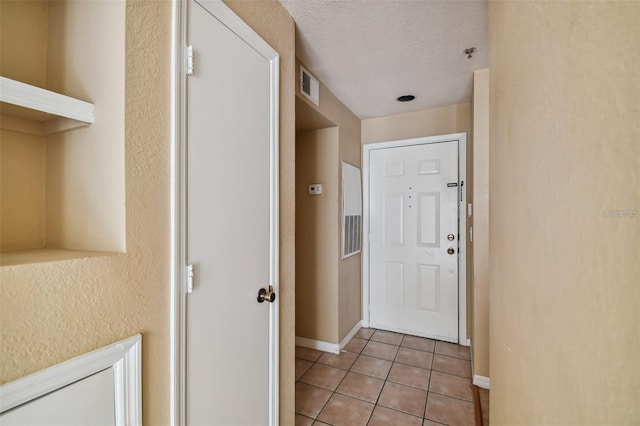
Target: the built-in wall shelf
pixel 36 111
pixel 39 255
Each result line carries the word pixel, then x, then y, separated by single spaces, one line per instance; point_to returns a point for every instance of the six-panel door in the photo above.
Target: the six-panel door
pixel 414 193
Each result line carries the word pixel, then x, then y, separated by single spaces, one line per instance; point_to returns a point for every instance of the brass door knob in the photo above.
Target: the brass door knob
pixel 268 295
pixel 451 250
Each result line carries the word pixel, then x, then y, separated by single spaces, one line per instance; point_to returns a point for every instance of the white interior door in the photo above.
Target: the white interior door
pixel 413 222
pixel 231 221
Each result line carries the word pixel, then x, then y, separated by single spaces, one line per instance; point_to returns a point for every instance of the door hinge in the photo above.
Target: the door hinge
pixel 190 275
pixel 189 60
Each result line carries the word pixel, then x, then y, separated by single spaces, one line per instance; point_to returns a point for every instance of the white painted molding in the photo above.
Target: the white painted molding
pixel 318 345
pixel 350 335
pixel 466 343
pixel 35 98
pixel 123 356
pixel 481 381
pixel 177 393
pixel 228 17
pixel 326 346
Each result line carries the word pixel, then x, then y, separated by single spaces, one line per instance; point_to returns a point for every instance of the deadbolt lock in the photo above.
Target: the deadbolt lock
pixel 451 250
pixel 451 237
pixel 268 295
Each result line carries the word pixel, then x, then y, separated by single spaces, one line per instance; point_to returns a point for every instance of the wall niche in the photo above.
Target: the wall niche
pixel 62 179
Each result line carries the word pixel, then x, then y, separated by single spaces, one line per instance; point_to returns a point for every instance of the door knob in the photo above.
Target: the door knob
pixel 268 295
pixel 451 250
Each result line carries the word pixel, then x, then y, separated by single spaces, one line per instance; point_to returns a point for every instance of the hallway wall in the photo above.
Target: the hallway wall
pixel 480 282
pixel 428 122
pixel 348 285
pixel 316 225
pixel 564 202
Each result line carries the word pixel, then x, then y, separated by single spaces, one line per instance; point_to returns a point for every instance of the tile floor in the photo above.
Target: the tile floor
pixel 385 378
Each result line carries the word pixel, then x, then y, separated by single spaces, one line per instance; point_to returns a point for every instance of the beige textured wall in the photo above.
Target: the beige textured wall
pixel 316 225
pixel 564 276
pixel 50 312
pixel 308 118
pixel 480 331
pixel 23 57
pixel 349 279
pixel 22 184
pixel 269 19
pixel 350 269
pixel 85 167
pixel 23 38
pixel 431 122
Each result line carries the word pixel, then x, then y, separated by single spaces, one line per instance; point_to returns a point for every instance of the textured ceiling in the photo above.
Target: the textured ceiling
pixel 369 52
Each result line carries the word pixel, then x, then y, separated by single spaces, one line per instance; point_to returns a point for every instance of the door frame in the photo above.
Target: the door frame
pixel 178 285
pixel 461 138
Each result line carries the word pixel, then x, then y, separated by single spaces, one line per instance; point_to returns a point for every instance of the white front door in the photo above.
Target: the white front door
pixel 231 221
pixel 413 218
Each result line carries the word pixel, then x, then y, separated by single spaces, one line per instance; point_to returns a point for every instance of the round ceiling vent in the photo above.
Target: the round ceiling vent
pixel 405 98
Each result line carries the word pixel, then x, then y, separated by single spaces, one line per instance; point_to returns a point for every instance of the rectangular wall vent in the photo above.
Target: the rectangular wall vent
pixel 352 235
pixel 309 86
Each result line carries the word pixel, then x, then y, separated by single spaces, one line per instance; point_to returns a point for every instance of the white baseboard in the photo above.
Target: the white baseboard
pixel 350 335
pixel 318 345
pixel 481 381
pixel 326 346
pixel 467 343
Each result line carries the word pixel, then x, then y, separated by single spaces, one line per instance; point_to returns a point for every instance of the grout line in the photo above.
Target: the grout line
pixel 454 357
pixel 454 375
pixel 438 423
pixel 452 397
pixel 429 384
pixel 424 410
pixel 310 418
pixel 386 379
pixel 398 411
pixel 328 399
pixel 375 404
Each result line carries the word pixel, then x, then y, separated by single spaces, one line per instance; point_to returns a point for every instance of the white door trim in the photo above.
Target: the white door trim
pixel 461 138
pixel 178 200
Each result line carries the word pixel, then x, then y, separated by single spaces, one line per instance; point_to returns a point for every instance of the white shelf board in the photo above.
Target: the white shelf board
pixel 42 125
pixel 35 98
pixel 40 255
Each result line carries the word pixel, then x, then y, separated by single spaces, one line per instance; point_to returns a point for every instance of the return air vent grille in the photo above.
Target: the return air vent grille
pixel 309 86
pixel 351 210
pixel 352 235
